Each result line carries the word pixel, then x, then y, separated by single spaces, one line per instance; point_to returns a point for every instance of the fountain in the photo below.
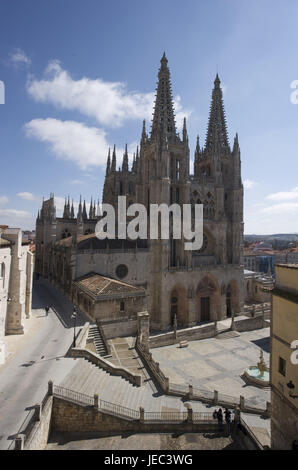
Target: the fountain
pixel 258 375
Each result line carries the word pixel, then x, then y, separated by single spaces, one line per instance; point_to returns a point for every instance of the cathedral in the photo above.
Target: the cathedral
pixel 193 286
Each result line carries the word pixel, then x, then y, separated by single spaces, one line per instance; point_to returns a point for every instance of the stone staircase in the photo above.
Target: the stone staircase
pixel 95 336
pixel 88 379
pixel 226 334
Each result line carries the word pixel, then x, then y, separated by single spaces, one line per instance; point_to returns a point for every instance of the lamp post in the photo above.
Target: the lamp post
pixel 74 317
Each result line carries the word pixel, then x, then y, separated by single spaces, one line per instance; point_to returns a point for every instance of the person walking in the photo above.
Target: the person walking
pixel 47 310
pixel 228 420
pixel 219 416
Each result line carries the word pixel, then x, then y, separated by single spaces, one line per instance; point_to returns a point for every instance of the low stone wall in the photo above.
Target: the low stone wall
pixel 120 328
pixel 34 436
pixel 40 433
pixel 191 334
pixel 72 417
pixel 249 324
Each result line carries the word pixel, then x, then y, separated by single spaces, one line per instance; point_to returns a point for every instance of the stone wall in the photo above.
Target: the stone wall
pixel 120 328
pixel 284 422
pixel 38 438
pixel 249 324
pixel 191 334
pixel 71 417
pixel 5 261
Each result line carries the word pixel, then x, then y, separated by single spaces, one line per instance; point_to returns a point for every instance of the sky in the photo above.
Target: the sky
pixel 80 76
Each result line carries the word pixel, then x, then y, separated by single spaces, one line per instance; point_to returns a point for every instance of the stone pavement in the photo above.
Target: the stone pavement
pixel 217 364
pixel 35 359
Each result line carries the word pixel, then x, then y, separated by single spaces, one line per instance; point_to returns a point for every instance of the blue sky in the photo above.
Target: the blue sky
pixel 80 76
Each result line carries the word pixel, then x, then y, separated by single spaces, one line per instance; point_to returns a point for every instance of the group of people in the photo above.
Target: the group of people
pixel 219 415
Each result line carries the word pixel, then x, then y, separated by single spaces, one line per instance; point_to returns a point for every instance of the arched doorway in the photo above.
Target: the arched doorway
pixel 208 300
pixel 232 298
pixel 179 306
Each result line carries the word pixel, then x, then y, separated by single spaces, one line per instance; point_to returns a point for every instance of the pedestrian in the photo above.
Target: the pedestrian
pixel 228 420
pixel 47 310
pixel 219 419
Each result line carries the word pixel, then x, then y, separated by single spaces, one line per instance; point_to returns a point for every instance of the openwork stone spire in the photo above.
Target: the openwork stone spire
pixel 125 160
pixel 163 118
pixel 217 138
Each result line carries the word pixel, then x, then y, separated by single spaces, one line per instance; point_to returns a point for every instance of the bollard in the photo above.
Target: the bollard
pixel 142 415
pixel 268 408
pixel 50 387
pixel 19 442
pixel 189 414
pixel 96 401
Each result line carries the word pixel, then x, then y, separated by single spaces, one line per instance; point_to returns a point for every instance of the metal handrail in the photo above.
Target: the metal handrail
pixel 74 396
pixel 118 410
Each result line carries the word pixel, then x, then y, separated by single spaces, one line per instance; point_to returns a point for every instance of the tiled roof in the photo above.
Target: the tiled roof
pixel 4 242
pixel 100 285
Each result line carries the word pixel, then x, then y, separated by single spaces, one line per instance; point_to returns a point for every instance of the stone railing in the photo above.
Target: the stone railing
pixel 130 414
pixel 153 366
pixel 192 393
pixel 258 309
pixel 106 365
pixel 82 337
pixel 34 432
pixel 157 421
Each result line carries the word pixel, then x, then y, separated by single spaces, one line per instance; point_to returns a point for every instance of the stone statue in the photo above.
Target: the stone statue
pixel 261 364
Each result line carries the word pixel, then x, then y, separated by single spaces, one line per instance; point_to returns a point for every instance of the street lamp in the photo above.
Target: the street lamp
pixel 74 317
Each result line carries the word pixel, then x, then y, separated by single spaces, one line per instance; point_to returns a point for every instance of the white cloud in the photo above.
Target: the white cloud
pixel 18 57
pixel 70 140
pixel 249 184
pixel 284 195
pixel 74 141
pixel 282 208
pixel 27 196
pixel 3 200
pixel 108 102
pixel 17 218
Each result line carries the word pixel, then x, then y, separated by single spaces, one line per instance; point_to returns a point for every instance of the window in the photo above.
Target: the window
pixel 122 306
pixel 282 366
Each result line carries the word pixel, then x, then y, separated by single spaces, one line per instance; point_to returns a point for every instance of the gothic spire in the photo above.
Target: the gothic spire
pixel 85 217
pixel 144 135
pixel 125 160
pixel 65 209
pixel 113 166
pixel 163 117
pixel 80 212
pixel 236 147
pixel 217 138
pixel 185 136
pixel 72 210
pixel 108 162
pixel 91 209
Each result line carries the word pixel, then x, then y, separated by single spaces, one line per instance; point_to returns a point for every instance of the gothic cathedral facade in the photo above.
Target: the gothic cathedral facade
pixel 194 286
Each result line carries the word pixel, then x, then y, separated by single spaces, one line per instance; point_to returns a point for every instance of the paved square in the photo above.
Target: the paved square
pixel 217 363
